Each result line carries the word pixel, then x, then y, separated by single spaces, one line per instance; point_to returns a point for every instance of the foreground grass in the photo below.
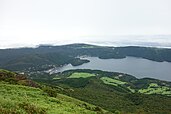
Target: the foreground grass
pixel 81 75
pixel 18 99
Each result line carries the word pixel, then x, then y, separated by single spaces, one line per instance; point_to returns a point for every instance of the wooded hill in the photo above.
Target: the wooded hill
pixel 45 57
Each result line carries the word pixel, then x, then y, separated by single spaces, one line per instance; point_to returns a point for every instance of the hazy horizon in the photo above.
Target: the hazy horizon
pixel 161 41
pixel 27 23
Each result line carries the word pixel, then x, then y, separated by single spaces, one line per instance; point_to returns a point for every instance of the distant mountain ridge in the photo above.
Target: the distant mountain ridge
pixel 46 56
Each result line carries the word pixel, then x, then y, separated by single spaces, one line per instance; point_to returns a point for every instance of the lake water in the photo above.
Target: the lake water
pixel 137 67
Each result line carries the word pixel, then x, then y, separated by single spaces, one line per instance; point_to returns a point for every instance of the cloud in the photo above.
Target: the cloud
pixel 31 22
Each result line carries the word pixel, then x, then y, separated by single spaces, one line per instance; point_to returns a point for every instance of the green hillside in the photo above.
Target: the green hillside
pixel 74 91
pixel 22 100
pixel 113 91
pixel 15 98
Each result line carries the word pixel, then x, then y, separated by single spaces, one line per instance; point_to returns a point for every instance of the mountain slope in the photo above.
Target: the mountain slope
pixel 15 98
pixel 22 99
pixel 113 91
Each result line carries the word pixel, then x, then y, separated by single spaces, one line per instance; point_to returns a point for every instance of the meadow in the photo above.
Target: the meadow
pixel 19 99
pixel 81 75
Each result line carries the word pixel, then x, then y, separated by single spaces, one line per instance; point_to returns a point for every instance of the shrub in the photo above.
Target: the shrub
pixel 32 109
pixel 117 112
pixel 8 111
pixel 50 91
pixel 97 109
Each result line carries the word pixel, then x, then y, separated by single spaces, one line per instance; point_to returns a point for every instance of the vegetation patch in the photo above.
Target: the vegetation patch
pixel 117 99
pixel 132 90
pixel 18 99
pixel 154 88
pixel 81 75
pixel 56 78
pixel 7 72
pixel 112 81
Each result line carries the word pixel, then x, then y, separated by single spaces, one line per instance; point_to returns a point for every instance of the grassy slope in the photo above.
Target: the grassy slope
pixel 19 99
pixel 110 99
pixel 114 92
pixel 23 99
pixel 154 88
pixel 116 81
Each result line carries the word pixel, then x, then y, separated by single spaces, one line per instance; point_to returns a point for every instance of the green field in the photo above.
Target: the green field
pixel 154 88
pixel 18 99
pixel 81 75
pixel 56 78
pixel 112 81
pixel 132 90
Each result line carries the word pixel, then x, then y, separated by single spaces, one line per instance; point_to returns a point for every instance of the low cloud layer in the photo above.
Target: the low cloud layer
pixel 34 22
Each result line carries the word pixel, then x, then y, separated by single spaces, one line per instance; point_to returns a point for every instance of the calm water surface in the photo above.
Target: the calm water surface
pixel 135 66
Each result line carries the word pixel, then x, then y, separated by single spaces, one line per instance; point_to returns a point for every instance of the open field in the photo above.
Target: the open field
pixel 154 88
pixel 112 81
pixel 81 75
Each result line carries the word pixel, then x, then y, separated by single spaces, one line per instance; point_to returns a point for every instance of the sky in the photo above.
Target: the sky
pixel 32 22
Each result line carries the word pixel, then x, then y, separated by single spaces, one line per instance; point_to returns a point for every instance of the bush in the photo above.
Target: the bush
pixel 8 111
pixel 97 109
pixel 50 91
pixel 32 109
pixel 117 112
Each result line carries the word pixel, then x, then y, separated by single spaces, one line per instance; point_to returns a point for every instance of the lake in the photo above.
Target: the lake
pixel 137 67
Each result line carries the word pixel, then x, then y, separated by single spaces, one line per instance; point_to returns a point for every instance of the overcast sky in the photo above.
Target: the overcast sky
pixel 33 22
